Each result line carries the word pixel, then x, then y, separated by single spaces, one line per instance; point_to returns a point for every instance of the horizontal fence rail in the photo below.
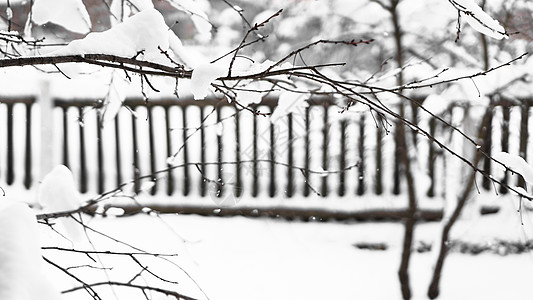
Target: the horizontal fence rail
pixel 217 148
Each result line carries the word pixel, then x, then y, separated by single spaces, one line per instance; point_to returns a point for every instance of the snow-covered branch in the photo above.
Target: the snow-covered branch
pixel 130 64
pixel 478 19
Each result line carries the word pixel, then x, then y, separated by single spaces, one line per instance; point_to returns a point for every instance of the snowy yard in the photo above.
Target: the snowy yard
pixel 398 109
pixel 244 258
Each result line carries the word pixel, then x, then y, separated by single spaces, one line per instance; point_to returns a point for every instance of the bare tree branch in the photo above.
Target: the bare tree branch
pixel 142 288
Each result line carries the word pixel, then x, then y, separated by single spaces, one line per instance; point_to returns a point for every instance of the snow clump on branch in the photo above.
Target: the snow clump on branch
pixel 480 20
pixel 144 33
pixel 70 14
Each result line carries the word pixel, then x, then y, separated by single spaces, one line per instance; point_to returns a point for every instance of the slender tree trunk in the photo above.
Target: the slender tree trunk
pixel 410 220
pixel 433 291
pixel 403 156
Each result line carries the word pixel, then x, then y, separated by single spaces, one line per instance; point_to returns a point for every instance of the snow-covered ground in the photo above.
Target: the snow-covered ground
pixel 242 258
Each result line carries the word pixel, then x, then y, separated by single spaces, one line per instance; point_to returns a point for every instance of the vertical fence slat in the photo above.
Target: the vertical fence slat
pixel 396 172
pixel 524 136
pixel 186 179
pixel 272 183
pixel 506 109
pixel 66 159
pixel 342 159
pixel 28 150
pixel 431 160
pixel 361 150
pixel 118 154
pixel 170 173
pixel 325 141
pixel 379 160
pixel 220 158
pixel 255 184
pixel 100 153
pixel 10 175
pixel 487 148
pixel 290 177
pixel 136 166
pixel 238 179
pixel 83 153
pixel 152 155
pixel 307 154
pixel 202 152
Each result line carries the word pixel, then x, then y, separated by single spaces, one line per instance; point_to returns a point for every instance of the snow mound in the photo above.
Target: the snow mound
pixel 58 193
pixel 21 277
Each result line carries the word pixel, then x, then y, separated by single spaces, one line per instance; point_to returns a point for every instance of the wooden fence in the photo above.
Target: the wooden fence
pixel 217 150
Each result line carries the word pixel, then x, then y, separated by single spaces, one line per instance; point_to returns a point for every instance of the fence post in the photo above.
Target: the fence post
pixel 186 174
pixel 325 142
pixel 342 159
pixel 524 136
pixel 135 150
pixel 10 151
pixel 202 151
pixel 153 169
pixel 255 184
pixel 238 179
pixel 272 153
pixel 84 178
pixel 396 189
pixel 118 152
pixel 431 160
pixel 28 178
pixel 46 104
pixel 307 154
pixel 290 184
pixel 361 150
pixel 220 159
pixel 379 159
pixel 506 109
pixel 487 148
pixel 170 186
pixel 100 153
